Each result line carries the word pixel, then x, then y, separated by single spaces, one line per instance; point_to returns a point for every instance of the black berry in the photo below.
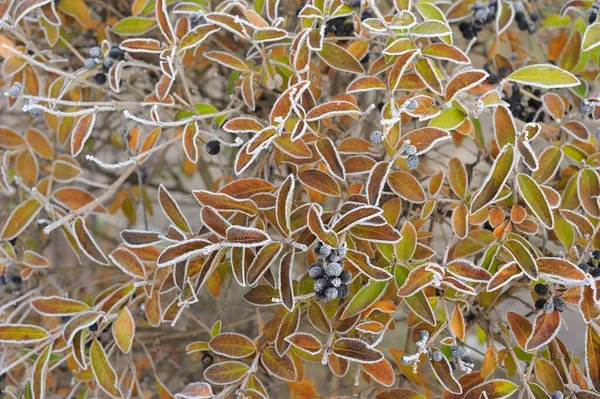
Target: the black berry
pixel 100 78
pixel 539 304
pixel 541 289
pixel 213 147
pixel 115 52
pixel 559 304
pixel 93 327
pixel 584 267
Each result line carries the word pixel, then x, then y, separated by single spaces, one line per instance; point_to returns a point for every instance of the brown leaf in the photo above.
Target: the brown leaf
pixel 171 209
pixel 463 81
pixel 356 350
pixel 226 373
pixel 81 132
pixel 225 202
pixel 281 367
pixel 123 330
pixel 232 345
pixel 520 327
pixel 545 329
pixel 468 271
pixel 382 372
pixel 592 355
pixel 240 236
pixel 104 373
pixel 87 243
pixel 319 181
pixel 128 262
pixel 406 186
pixel 58 306
pixel 182 251
pixel 285 279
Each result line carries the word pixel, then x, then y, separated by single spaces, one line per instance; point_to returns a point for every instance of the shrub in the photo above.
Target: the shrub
pixel 392 199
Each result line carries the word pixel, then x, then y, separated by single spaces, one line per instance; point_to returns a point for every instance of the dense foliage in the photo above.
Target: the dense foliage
pixel 376 199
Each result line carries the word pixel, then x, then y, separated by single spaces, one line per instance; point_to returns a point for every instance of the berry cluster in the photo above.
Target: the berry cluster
pixel 495 76
pixel 525 112
pixel 339 27
pixel 330 277
pixel 548 302
pixel 483 14
pixel 592 266
pixel 459 355
pixel 112 55
pixel 422 344
pixel 523 23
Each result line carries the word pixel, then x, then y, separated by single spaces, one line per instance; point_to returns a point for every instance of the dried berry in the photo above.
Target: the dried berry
pixel 557 395
pixel 539 304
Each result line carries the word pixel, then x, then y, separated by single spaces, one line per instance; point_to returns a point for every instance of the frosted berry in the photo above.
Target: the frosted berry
pixel 115 52
pixel 584 267
pixel 586 107
pixel 595 272
pixel 108 62
pixel 549 307
pixel 436 356
pixel 316 271
pixel 423 335
pixel 411 150
pixel 345 276
pixel 333 270
pixel 541 289
pixel 342 251
pixel 457 351
pixel 95 52
pixel 343 290
pixel 376 137
pixel 411 104
pixel 324 251
pixel 15 90
pixel 213 147
pixel 596 254
pixel 559 304
pixel 89 63
pixel 412 162
pixel 35 112
pixel 320 285
pixel 557 395
pixel 406 360
pixel 331 293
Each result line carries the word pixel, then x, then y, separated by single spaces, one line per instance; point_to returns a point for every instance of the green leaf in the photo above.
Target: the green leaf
pixel 535 199
pixel 365 297
pixel 546 76
pixel 448 119
pixel 133 26
pixel 591 37
pixel 495 179
pixel 339 58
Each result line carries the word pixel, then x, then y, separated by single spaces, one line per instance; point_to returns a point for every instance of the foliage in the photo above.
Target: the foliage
pixel 390 199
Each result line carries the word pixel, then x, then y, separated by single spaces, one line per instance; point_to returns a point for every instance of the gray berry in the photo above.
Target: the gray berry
pixel 331 293
pixel 95 52
pixel 412 162
pixel 335 282
pixel 376 137
pixel 411 104
pixel 345 276
pixel 549 307
pixel 343 290
pixel 333 270
pixel 405 359
pixel 436 356
pixel 15 90
pixel 320 285
pixel 586 107
pixel 411 150
pixel 423 335
pixel 467 361
pixel 324 251
pixel 108 62
pixel 559 304
pixel 557 395
pixel 457 351
pixel 89 63
pixel 316 271
pixel 35 112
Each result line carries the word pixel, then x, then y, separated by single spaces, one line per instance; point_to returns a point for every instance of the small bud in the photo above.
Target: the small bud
pixel 405 359
pixel 333 270
pixel 411 150
pixel 457 351
pixel 586 107
pixel 376 137
pixel 95 52
pixel 436 356
pixel 412 162
pixel 15 90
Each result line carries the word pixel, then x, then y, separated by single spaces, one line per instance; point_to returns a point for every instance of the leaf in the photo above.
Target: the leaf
pixel 546 76
pixel 224 202
pixel 591 37
pixel 232 345
pixel 560 270
pixel 588 189
pixel 546 327
pixel 463 81
pixel 505 130
pixel 331 109
pixel 520 327
pixel 382 372
pixel 227 60
pixel 444 374
pixel 78 323
pixel 128 262
pixel 320 182
pixel 406 186
pixel 40 373
pixel 419 278
pixel 535 199
pixel 281 367
pixel 81 132
pixel 195 390
pixel 240 236
pixel 425 138
pixel 305 342
pixel 592 355
pixel 87 243
pixel 468 271
pixel 376 181
pixel 283 204
pixel 355 350
pixel 58 306
pixel 356 216
pixel 400 393
pixel 365 297
pixel 22 334
pixel 495 179
pixel 164 23
pixel 328 152
pixel 360 260
pixel 20 218
pixel 446 52
pixel 285 279
pixel 261 262
pixel 457 176
pixel 419 304
pixel 123 330
pixel 171 209
pixel 78 10
pixel 365 83
pixel 226 373
pixel 523 257
pixel 494 389
pixel 103 371
pixel 182 251
pixel 339 58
